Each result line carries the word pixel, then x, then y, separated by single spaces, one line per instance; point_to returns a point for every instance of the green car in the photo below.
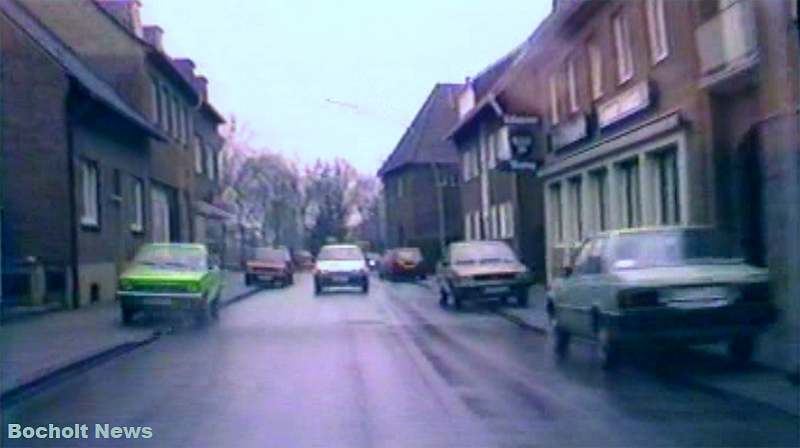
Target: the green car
pixel 170 277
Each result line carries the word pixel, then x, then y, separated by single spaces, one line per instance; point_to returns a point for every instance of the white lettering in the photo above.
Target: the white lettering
pixel 14 431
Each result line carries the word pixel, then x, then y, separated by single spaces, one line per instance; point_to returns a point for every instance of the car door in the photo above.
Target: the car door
pixel 574 306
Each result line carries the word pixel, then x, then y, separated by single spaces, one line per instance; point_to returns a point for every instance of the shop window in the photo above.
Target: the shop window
pixel 576 204
pixel 599 189
pixel 666 189
pixel 556 212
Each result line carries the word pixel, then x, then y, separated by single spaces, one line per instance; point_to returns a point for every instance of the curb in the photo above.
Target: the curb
pixel 53 375
pixel 520 322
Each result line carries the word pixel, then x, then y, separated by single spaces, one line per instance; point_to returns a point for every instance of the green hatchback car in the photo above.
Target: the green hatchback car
pixel 170 277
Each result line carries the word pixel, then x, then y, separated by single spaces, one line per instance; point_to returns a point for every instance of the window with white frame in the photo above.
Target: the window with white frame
pixel 576 206
pixel 556 212
pixel 665 188
pixel 553 100
pixel 467 226
pixel 477 233
pixel 491 141
pixel 622 45
pixel 90 192
pixel 508 220
pixel 629 192
pixel 211 168
pixel 599 189
pixel 572 85
pixel 657 30
pixel 595 68
pixel 465 166
pixel 137 212
pixel 199 155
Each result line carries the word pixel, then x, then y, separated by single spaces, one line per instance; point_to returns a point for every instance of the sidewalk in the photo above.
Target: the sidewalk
pixel 706 367
pixel 38 346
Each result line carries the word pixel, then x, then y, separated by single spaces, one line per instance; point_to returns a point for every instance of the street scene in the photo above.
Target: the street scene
pixel 311 224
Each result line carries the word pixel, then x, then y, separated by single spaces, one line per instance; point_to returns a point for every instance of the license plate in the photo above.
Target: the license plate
pixel 265 277
pixel 158 301
pixel 339 278
pixel 699 303
pixel 496 289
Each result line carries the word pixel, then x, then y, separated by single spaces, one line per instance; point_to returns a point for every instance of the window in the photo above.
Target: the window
pixel 491 142
pixel 199 155
pixel 173 112
pixel 507 220
pixel 137 215
pixel 157 116
pixel 399 187
pixel 572 86
pixel 189 124
pixel 116 184
pixel 553 100
pixel 666 187
pixel 622 44
pixel 467 226
pixel 599 198
pixel 596 69
pixel 630 193
pixel 90 189
pixel 167 109
pixel 211 168
pixel 477 234
pixel 576 204
pixel 556 209
pixel 657 30
pixel 465 165
pixel 496 224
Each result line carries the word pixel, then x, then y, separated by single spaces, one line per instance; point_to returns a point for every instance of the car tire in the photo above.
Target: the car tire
pixel 442 298
pixel 247 280
pixel 741 349
pixel 559 337
pixel 457 301
pixel 317 287
pixel 215 309
pixel 291 279
pixel 365 286
pixel 607 349
pixel 522 299
pixel 127 316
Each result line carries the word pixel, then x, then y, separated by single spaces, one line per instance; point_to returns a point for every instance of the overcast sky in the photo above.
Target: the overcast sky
pixel 277 65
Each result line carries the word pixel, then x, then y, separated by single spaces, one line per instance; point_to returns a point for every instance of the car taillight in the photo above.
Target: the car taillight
pixel 635 298
pixel 755 292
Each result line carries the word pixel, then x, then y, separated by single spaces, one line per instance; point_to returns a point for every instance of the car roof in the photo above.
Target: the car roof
pixel 340 246
pixel 655 229
pixel 179 245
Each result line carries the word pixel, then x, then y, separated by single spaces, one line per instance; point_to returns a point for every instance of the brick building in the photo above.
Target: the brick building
pixel 420 180
pixel 664 112
pixel 76 166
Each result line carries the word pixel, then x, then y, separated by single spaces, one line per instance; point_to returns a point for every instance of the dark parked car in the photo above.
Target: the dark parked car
pixel 403 263
pixel 341 265
pixel 271 266
pixel 303 260
pixel 482 270
pixel 680 285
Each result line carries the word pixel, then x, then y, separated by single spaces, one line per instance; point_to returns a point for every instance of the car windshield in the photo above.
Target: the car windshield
pixel 269 254
pixel 674 248
pixel 409 254
pixel 328 253
pixel 484 252
pixel 172 257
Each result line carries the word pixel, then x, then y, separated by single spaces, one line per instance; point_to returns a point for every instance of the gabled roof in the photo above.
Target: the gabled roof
pixel 424 142
pixel 75 69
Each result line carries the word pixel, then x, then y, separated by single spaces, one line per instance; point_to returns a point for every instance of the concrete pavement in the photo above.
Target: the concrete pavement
pixel 288 368
pixel 40 346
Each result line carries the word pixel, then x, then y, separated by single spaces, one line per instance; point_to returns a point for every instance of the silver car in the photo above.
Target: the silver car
pixel 341 265
pixel 682 285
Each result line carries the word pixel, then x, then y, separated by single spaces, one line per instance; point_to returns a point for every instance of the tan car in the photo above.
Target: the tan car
pixel 482 271
pixel 675 285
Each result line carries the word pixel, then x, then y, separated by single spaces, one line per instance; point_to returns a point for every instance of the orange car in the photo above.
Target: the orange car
pixel 271 266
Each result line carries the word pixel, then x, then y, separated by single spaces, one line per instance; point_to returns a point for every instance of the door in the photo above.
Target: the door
pixel 575 303
pixel 160 214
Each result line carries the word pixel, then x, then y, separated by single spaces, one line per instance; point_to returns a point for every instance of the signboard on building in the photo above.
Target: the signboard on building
pixel 627 103
pixel 570 132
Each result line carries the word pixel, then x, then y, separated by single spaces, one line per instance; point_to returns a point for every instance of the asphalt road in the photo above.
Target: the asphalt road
pixel 286 369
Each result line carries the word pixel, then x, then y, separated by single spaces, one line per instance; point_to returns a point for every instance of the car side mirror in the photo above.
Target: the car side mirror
pixel 566 271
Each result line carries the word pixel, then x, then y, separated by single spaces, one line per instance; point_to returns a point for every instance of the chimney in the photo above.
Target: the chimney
pixel 126 12
pixel 153 34
pixel 201 85
pixel 186 67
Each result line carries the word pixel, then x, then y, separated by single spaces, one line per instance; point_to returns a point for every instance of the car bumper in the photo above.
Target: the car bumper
pixel 492 290
pixel 267 277
pixel 689 326
pixel 140 300
pixel 400 271
pixel 341 279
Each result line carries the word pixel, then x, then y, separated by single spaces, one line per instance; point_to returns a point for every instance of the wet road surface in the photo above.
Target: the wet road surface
pixel 391 369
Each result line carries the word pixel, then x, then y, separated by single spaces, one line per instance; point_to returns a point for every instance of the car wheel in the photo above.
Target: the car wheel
pixel 457 302
pixel 442 298
pixel 291 279
pixel 215 308
pixel 317 287
pixel 127 316
pixel 559 337
pixel 247 280
pixel 365 286
pixel 607 349
pixel 741 349
pixel 522 299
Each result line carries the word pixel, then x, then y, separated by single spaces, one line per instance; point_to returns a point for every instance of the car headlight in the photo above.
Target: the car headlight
pixel 125 285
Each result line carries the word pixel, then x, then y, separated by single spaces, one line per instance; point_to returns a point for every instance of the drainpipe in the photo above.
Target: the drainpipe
pixel 73 206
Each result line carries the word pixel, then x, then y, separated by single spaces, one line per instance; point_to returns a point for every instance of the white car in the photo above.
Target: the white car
pixel 341 265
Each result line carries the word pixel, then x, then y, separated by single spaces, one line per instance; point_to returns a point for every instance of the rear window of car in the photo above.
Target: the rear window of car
pixel 172 257
pixel 270 254
pixel 481 252
pixel 674 248
pixel 410 254
pixel 340 253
